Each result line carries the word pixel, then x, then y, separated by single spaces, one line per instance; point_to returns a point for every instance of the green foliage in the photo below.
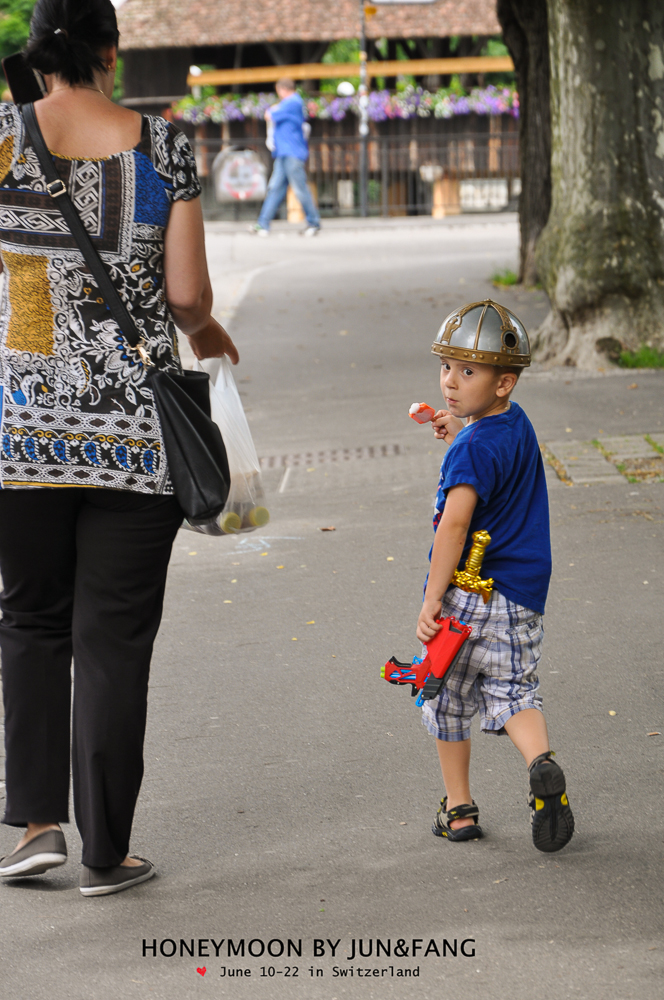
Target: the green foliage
pixel 495 47
pixel 344 50
pixel 504 278
pixel 118 87
pixel 644 357
pixel 14 25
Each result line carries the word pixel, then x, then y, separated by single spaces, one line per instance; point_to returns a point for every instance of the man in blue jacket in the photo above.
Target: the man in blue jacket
pixel 290 151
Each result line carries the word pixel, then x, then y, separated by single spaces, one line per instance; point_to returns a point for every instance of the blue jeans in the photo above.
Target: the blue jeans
pixel 288 170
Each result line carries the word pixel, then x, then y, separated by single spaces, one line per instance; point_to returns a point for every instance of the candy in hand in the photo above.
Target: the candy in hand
pixel 422 413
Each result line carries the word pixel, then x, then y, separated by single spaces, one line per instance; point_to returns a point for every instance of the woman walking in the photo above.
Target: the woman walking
pixel 87 512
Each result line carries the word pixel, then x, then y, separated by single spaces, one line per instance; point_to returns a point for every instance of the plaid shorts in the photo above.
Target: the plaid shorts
pixel 496 673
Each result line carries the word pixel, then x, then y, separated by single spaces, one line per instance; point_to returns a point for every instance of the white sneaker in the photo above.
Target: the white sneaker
pixel 258 230
pixel 311 231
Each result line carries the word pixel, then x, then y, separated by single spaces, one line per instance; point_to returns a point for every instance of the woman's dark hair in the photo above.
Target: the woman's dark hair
pixel 66 36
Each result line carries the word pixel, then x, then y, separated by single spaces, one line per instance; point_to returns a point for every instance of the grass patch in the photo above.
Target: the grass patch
pixel 600 447
pixel 556 465
pixel 645 357
pixel 653 444
pixel 634 470
pixel 504 278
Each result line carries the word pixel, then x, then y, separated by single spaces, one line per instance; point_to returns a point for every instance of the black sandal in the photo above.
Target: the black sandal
pixel 551 817
pixel 441 824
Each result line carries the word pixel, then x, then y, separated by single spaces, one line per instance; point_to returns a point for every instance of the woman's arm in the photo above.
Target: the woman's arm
pixel 447 548
pixel 187 283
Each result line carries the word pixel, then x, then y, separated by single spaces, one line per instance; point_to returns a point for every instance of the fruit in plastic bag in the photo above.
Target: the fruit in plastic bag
pixel 245 508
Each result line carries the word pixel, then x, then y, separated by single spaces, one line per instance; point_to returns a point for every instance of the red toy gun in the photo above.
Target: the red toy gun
pixel 428 676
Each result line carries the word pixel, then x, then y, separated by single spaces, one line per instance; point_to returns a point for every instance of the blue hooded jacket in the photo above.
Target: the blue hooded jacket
pixel 288 118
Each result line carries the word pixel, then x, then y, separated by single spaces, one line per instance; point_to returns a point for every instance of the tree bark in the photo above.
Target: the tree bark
pixel 525 31
pixel 601 256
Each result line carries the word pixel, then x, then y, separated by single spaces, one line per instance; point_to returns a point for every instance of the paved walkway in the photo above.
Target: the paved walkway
pixel 288 791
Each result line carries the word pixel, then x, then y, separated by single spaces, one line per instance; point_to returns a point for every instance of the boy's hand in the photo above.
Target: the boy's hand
pixel 446 426
pixel 427 626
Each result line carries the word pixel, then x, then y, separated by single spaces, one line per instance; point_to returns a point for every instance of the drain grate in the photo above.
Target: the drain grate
pixel 309 458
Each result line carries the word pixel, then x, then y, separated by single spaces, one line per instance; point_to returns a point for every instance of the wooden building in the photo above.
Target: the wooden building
pixel 161 39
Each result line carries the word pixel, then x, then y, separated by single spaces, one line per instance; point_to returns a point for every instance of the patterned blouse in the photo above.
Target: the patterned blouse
pixel 76 409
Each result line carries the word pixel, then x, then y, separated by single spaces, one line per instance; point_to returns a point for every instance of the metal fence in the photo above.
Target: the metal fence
pixel 428 175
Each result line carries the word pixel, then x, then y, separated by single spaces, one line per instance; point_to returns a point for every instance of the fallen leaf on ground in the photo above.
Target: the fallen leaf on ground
pixel 331 528
pixel 634 385
pixel 612 712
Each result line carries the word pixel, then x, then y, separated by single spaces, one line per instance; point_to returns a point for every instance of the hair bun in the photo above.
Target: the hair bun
pixel 67 37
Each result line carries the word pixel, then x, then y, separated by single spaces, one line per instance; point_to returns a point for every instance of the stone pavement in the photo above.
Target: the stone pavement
pixel 635 457
pixel 289 791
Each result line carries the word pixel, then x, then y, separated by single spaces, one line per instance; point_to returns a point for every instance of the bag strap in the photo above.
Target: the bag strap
pixel 58 192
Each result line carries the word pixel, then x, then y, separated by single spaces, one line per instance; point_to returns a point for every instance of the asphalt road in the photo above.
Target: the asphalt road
pixel 289 791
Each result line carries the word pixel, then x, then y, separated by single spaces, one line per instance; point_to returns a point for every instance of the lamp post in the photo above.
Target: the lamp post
pixel 370 9
pixel 364 114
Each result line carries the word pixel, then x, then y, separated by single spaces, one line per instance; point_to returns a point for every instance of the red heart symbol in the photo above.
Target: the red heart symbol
pixel 202 971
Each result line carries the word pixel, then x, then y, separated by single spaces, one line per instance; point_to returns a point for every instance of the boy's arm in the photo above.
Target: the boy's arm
pixel 447 548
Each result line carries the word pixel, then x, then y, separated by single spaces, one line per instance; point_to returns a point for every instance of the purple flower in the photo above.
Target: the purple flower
pixel 383 105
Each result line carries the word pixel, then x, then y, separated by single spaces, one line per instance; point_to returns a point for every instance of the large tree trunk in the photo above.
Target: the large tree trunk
pixel 601 256
pixel 525 31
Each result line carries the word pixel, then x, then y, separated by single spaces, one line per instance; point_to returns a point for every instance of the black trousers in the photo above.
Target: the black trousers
pixel 84 573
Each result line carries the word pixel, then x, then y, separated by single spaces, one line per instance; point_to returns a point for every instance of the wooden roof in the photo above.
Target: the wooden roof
pixel 150 24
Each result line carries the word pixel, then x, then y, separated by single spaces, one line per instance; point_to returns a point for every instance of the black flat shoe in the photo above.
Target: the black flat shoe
pixel 46 850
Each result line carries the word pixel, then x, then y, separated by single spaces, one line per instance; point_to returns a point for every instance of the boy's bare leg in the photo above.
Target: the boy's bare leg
pixel 455 765
pixel 527 731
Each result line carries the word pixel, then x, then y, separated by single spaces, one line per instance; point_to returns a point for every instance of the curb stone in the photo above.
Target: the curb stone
pixel 630 457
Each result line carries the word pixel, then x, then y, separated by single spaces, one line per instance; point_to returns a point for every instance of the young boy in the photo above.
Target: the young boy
pixel 492 479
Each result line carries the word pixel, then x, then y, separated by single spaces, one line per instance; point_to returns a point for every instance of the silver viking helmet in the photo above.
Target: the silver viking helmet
pixel 485 332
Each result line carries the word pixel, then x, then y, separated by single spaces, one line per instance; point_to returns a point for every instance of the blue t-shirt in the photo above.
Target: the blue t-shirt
pixel 499 456
pixel 288 118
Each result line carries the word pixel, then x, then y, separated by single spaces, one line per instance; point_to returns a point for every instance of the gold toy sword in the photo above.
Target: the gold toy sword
pixel 468 579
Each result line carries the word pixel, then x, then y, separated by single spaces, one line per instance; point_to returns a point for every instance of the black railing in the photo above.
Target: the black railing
pixel 424 175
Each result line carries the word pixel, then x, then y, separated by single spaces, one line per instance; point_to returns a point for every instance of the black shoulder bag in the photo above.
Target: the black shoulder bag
pixel 194 448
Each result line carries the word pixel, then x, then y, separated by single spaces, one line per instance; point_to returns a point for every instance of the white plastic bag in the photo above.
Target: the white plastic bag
pixel 244 510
